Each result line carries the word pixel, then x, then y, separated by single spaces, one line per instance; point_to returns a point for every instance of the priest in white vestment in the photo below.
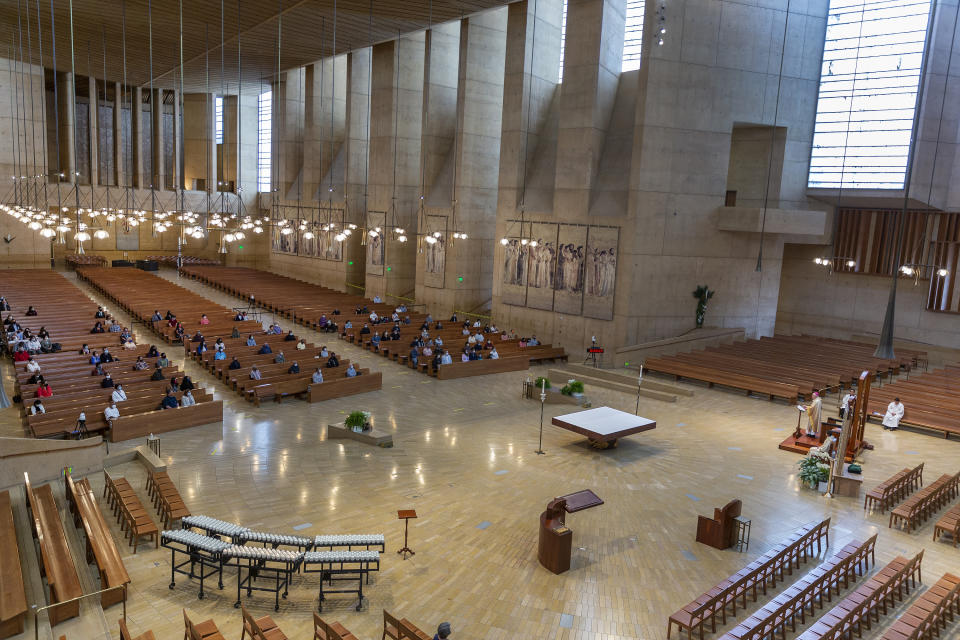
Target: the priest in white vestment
pixel 891 420
pixel 813 415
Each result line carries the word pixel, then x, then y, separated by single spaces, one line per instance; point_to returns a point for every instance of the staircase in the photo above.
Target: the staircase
pixel 617 381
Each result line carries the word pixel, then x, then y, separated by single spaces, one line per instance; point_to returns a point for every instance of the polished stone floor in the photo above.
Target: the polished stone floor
pixel 464 459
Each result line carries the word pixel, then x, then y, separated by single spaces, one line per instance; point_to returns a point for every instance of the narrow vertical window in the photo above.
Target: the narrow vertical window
pixel 633 35
pixel 264 124
pixel 563 39
pixel 218 118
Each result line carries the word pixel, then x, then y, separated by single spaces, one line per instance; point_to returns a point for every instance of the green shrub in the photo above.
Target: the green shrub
pixel 542 382
pixel 576 386
pixel 566 390
pixel 356 419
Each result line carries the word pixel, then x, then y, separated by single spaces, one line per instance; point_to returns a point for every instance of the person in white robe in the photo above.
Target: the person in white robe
pixel 813 415
pixel 891 420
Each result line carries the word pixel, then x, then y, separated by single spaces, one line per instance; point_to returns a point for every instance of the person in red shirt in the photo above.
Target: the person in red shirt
pixel 22 355
pixel 204 319
pixel 44 391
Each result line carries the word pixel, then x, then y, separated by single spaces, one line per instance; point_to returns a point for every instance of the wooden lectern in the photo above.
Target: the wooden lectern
pixel 556 539
pixel 719 532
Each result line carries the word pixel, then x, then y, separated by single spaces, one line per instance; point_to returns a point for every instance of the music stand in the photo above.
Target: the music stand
pixel 406 515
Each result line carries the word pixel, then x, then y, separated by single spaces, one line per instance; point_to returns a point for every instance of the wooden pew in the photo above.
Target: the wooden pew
pixel 948 523
pixel 342 387
pixel 933 610
pixel 56 561
pixel 13 599
pixel 161 421
pixel 166 498
pixel 133 517
pixel 100 546
pixel 917 508
pixel 895 488
pixel 482 367
pixel 750 384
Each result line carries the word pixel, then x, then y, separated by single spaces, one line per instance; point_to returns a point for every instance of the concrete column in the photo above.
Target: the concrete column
pixel 199 140
pixel 156 100
pixel 312 148
pixel 94 132
pixel 177 150
pixel 357 146
pixel 441 67
pixel 140 168
pixel 591 69
pixel 119 176
pixel 479 112
pixel 68 124
pixel 397 104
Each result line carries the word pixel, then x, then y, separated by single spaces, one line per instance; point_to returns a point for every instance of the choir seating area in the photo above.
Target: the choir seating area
pixel 930 400
pixel 142 294
pixel 788 367
pixel 307 303
pixel 68 315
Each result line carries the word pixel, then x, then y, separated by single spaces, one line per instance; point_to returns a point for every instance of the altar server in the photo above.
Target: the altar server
pixel 893 416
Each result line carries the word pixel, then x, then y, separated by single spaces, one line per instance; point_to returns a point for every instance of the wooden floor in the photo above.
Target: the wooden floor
pixel 464 459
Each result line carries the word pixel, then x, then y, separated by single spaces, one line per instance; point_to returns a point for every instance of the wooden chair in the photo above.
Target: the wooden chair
pixel 260 628
pixel 125 633
pixel 320 630
pixel 199 631
pixel 719 532
pixel 391 627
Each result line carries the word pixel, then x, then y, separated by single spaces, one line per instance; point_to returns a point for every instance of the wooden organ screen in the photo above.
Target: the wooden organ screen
pixel 931 238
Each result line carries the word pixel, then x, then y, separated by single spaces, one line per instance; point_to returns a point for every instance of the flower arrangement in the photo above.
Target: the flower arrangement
pixel 815 467
pixel 572 387
pixel 357 420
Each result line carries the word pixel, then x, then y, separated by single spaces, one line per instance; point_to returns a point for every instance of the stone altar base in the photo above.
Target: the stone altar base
pixel 371 436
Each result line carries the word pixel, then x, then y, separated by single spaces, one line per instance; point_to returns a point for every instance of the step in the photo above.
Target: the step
pixel 629 376
pixel 560 376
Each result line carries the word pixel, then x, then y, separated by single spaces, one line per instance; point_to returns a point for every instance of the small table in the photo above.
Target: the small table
pixel 742 532
pixel 406 515
pixel 847 484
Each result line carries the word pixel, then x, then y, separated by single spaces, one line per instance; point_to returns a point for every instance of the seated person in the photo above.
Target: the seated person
pixel 21 355
pixel 446 358
pixel 156 317
pixel 414 356
pixel 201 348
pixel 33 345
pixel 265 349
pixel 377 300
pixel 36 378
pixel 347 325
pixel 429 319
pixel 336 312
pixel 234 364
pixel 31 311
pixel 317 376
pixel 323 351
pixel 44 390
pixel 332 361
pixel 365 330
pixel 204 319
pixel 279 359
pixel 453 318
pixel 351 372
pixel 187 400
pixel 493 354
pixel 376 340
pixel 168 402
pixel 290 337
pixel 532 342
pixel 197 337
pixel 140 364
pixel 464 357
pixel 302 345
pixel 100 313
pixel 106 356
pixel 163 361
pixel 276 329
pixel 322 323
pixel 37 407
pixel 178 333
pixel 118 395
pixel 130 344
pixel 503 336
pixel 438 326
pixel 439 341
pixel 85 349
pixel 32 365
pixel 239 317
pixel 174 385
pixel 187 384
pixel 220 355
pixel 169 315
pixel 43 333
pixel 374 318
pixel 171 320
pixel 111 413
pixel 235 333
pixel 294 368
pixel 219 345
pixel 255 374
pixel 157 374
pixel 115 327
pixel 107 382
pixel 406 319
pixel 250 341
pixel 427 352
pixel 153 352
pixel 476 323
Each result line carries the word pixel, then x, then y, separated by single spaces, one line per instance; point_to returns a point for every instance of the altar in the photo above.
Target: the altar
pixel 604 425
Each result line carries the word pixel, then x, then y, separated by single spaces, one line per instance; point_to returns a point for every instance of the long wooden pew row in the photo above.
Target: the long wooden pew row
pixel 748 383
pixel 56 563
pixel 854 612
pixel 134 520
pixel 762 572
pixel 913 511
pixel 931 400
pixel 931 612
pixel 166 498
pixel 13 599
pixel 161 421
pixel 893 489
pixel 810 591
pixel 100 546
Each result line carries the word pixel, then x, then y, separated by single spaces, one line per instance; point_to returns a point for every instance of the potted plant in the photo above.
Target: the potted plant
pixel 702 293
pixel 541 383
pixel 576 388
pixel 357 421
pixel 815 468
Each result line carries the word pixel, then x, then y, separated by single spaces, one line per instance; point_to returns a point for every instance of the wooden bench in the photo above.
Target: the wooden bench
pixel 342 387
pixel 750 384
pixel 948 523
pixel 813 589
pixel 482 367
pixel 762 572
pixel 206 630
pixel 126 635
pixel 13 599
pixel 933 610
pixel 161 421
pixel 855 611
pixel 917 508
pixel 894 488
pixel 329 631
pixel 56 563
pixel 263 628
pixel 100 546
